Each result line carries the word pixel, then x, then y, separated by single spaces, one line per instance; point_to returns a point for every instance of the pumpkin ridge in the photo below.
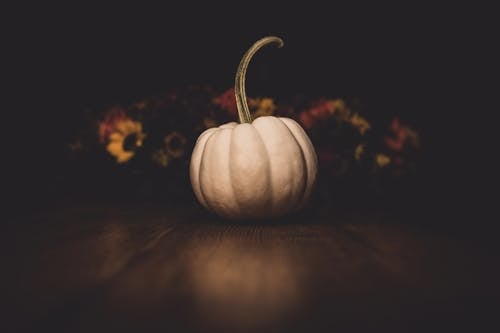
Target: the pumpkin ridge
pixel 231 173
pixel 300 198
pixel 268 171
pixel 194 169
pixel 199 172
pixel 309 155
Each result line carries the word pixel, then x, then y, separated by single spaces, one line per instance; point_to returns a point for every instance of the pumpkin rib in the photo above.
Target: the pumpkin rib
pixel 195 164
pixel 215 181
pixel 199 171
pixel 249 177
pixel 286 171
pixel 311 165
pixel 300 198
pixel 230 172
pixel 268 169
pixel 283 187
pixel 230 125
pixel 301 169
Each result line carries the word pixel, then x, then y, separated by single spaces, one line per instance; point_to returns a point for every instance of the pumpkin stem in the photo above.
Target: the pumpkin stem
pixel 239 83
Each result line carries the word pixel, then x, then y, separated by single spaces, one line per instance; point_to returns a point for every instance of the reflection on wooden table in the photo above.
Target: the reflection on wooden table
pixel 93 269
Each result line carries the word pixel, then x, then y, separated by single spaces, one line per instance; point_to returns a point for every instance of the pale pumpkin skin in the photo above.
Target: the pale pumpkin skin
pixel 264 169
pixel 256 169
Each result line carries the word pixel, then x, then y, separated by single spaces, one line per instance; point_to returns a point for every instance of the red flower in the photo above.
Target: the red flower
pixel 306 119
pixel 394 144
pixel 322 110
pixel 227 102
pixel 319 111
pixel 395 124
pixel 398 137
pixel 108 125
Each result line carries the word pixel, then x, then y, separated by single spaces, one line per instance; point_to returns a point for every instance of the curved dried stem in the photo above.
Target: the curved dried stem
pixel 239 83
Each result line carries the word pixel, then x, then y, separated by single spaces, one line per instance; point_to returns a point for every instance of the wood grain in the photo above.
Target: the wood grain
pixel 104 268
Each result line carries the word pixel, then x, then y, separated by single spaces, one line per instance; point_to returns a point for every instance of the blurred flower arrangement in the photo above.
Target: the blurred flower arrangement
pixel 156 135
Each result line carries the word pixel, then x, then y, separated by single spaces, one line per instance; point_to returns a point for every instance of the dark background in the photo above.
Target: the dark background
pixel 427 65
pixel 410 62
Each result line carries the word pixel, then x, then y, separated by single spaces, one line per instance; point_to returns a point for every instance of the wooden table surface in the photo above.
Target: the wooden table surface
pixel 105 268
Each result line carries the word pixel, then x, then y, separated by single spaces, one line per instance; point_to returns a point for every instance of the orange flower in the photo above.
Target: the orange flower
pixel 111 119
pixel 360 123
pixel 322 110
pixel 265 107
pixel 382 160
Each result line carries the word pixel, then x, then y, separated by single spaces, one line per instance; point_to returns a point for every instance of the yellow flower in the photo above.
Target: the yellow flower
pixel 125 139
pixel 266 107
pixel 382 160
pixel 360 149
pixel 360 123
pixel 338 108
pixel 253 103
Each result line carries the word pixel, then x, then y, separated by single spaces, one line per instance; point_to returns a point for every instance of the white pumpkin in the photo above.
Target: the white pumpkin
pixel 255 169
